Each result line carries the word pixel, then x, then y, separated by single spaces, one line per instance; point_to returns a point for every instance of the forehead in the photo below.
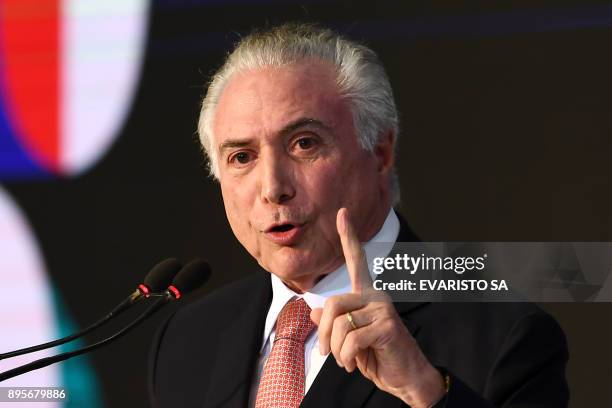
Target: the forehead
pixel 262 101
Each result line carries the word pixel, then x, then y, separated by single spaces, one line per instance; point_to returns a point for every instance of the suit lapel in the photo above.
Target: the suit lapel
pixel 334 387
pixel 404 309
pixel 405 233
pixel 238 349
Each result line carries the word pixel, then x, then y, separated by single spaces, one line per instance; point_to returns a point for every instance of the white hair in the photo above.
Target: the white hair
pixel 360 77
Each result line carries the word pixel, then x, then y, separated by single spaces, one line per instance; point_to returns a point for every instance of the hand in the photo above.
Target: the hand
pixel 380 347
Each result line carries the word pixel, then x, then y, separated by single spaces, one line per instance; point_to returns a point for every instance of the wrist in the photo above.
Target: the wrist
pixel 429 391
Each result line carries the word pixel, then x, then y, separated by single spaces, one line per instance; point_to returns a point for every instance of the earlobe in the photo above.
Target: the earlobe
pixel 384 152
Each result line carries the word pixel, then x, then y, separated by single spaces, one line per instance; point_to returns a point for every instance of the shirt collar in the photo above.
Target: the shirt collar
pixel 337 282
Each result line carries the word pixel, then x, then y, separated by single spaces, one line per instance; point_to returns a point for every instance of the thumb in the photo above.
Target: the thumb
pixel 315 315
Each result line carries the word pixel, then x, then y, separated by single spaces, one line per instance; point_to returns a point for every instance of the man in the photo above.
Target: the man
pixel 299 126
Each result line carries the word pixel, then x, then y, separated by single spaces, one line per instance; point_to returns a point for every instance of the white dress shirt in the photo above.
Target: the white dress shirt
pixel 336 283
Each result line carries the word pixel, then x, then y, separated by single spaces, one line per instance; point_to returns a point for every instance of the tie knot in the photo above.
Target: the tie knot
pixel 294 321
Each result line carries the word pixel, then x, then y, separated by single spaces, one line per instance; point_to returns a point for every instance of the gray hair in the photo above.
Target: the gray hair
pixel 361 79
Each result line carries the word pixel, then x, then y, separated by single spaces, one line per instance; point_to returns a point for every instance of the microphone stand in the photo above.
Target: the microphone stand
pixel 121 307
pixel 43 362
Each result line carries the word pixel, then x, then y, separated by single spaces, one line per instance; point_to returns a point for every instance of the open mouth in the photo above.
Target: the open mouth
pixel 282 228
pixel 285 234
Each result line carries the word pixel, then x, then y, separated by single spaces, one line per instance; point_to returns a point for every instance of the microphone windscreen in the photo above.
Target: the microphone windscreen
pixel 192 276
pixel 162 274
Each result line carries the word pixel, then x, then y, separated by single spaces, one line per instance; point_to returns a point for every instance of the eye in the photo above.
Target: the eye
pixel 306 143
pixel 240 158
pixel 306 146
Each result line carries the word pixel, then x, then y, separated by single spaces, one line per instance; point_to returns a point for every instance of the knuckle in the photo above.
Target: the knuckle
pixel 361 255
pixel 389 326
pixel 332 305
pixel 344 357
pixel 387 308
pixel 347 353
pixel 338 323
pixel 334 348
pixel 351 341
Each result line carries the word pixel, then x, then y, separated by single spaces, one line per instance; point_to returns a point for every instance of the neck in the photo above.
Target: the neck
pixel 301 286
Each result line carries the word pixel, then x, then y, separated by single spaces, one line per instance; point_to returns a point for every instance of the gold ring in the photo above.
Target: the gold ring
pixel 349 317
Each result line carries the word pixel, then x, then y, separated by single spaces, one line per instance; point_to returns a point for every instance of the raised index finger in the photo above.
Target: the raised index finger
pixel 354 254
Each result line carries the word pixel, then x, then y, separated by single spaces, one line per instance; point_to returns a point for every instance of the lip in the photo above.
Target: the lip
pixel 285 238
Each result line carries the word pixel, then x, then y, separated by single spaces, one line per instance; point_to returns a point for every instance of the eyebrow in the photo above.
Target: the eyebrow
pixel 229 144
pixel 303 122
pixel 287 129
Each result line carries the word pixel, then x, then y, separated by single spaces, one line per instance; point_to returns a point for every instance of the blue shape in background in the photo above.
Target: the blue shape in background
pixel 78 376
pixel 15 164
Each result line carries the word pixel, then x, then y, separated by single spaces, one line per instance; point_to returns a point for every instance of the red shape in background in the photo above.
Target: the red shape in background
pixel 30 36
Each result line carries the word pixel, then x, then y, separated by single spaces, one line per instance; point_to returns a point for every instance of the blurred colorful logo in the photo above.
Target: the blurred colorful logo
pixel 68 73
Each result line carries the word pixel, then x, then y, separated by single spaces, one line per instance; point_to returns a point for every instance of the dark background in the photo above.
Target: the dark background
pixel 505 136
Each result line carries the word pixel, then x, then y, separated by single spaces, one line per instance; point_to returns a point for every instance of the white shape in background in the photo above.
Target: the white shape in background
pixel 26 305
pixel 102 46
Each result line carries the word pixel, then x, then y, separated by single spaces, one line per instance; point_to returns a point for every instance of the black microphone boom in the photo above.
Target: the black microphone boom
pixel 195 274
pixel 156 280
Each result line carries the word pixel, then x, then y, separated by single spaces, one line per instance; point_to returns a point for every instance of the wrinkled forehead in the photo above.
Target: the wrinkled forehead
pixel 267 99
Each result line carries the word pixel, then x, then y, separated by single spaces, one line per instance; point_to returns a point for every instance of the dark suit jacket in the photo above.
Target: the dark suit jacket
pixel 497 354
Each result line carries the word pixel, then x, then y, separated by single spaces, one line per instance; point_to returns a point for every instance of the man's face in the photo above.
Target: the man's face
pixel 289 158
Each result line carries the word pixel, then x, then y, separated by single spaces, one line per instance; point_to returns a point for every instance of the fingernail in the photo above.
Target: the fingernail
pixel 339 363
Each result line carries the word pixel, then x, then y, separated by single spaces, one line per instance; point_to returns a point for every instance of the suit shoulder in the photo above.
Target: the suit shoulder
pixel 473 340
pixel 224 301
pixel 484 325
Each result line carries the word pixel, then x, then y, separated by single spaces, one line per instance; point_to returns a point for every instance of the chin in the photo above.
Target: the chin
pixel 292 270
pixel 294 264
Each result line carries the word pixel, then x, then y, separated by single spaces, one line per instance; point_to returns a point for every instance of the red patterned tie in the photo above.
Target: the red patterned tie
pixel 282 382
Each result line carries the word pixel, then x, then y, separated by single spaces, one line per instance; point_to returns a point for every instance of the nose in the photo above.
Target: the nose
pixel 277 185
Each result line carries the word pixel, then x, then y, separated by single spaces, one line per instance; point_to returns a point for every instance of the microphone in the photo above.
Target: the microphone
pixel 195 274
pixel 192 276
pixel 156 280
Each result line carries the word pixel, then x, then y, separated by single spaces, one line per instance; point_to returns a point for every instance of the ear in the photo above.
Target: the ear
pixel 384 152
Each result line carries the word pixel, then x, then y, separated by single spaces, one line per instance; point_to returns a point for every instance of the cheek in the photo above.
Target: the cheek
pixel 237 205
pixel 330 184
pixel 324 182
pixel 351 184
